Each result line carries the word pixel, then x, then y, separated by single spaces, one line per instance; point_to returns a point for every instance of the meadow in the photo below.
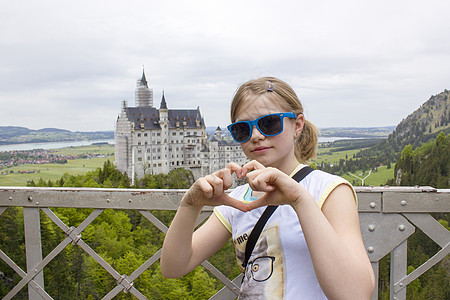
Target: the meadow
pixel 82 166
pixel 331 156
pixel 55 171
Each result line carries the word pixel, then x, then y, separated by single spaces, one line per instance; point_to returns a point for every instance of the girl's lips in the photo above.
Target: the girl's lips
pixel 260 149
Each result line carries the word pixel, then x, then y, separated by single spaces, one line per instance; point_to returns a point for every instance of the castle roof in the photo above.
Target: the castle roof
pixel 149 117
pixel 163 102
pixel 143 79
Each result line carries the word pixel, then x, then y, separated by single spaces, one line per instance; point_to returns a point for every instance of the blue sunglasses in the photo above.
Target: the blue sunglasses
pixel 268 125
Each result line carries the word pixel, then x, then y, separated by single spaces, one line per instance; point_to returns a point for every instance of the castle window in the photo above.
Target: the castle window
pixel 139 134
pixel 145 134
pixel 139 158
pixel 139 143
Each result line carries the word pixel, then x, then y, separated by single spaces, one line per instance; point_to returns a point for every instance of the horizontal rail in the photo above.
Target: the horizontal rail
pixel 395 199
pixel 388 216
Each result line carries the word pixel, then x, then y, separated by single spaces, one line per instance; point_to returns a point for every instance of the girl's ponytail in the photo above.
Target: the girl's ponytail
pixel 306 143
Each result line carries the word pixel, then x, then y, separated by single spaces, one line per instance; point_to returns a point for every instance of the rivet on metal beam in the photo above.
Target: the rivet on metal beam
pixel 37 203
pixel 403 203
pixel 129 200
pixel 370 249
pixel 400 284
pixel 401 227
pixel 371 227
pixel 10 198
pixel 30 198
pixel 108 200
pixel 372 205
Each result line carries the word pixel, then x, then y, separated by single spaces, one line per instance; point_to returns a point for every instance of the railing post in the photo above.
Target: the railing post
pixel 398 269
pixel 33 248
pixel 376 268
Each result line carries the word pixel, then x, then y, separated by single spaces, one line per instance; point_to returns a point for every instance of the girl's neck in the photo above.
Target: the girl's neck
pixel 287 167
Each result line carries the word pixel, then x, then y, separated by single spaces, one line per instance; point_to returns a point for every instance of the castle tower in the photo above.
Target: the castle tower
pixel 143 95
pixel 164 123
pixel 123 142
pixel 218 133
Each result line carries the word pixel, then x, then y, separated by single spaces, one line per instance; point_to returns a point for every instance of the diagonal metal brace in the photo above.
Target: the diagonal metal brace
pixel 123 281
pixel 73 233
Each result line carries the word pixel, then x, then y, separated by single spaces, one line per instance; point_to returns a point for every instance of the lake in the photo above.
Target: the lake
pixel 52 145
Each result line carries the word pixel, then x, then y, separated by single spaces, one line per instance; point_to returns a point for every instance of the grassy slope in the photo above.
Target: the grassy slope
pixel 82 166
pixel 55 171
pixel 378 178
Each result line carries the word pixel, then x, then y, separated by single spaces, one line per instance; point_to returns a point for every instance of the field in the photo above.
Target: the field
pixel 55 171
pixel 82 166
pixel 377 178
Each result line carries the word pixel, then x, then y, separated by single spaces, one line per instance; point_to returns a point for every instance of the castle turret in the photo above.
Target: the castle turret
pixel 164 123
pixel 143 95
pixel 218 134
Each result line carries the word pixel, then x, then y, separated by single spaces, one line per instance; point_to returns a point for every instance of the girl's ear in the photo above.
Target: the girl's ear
pixel 299 123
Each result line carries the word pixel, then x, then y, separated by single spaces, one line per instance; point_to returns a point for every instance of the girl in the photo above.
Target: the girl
pixel 311 247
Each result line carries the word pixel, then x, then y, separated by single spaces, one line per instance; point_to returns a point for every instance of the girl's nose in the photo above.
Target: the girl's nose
pixel 256 134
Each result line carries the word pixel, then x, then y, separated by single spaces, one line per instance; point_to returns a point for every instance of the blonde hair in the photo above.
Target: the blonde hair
pixel 280 92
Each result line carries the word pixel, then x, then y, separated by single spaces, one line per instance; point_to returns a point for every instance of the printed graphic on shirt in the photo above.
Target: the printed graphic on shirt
pixel 263 277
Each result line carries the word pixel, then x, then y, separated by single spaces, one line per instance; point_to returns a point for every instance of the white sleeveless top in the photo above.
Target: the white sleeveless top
pixel 280 266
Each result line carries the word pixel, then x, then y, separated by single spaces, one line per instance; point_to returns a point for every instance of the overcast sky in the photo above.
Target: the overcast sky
pixel 69 64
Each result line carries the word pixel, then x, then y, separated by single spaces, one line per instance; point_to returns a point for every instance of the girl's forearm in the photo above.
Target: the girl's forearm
pixel 177 248
pixel 342 273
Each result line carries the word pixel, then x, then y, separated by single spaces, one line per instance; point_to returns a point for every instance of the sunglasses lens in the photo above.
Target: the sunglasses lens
pixel 240 131
pixel 270 125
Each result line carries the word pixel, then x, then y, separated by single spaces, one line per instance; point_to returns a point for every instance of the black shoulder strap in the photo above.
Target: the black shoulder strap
pixel 256 231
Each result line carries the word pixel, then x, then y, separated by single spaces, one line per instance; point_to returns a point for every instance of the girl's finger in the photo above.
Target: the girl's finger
pixel 216 183
pixel 235 168
pixel 260 202
pixel 225 175
pixel 262 180
pixel 230 201
pixel 205 187
pixel 252 165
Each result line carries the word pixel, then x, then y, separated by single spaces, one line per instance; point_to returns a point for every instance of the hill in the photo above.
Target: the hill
pixel 421 126
pixel 17 135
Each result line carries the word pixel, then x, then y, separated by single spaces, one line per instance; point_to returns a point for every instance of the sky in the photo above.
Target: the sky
pixel 353 63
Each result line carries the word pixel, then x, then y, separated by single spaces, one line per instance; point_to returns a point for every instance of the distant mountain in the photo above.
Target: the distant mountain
pixel 18 135
pixel 419 127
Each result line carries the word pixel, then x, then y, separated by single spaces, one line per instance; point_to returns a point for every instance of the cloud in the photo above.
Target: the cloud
pixel 353 63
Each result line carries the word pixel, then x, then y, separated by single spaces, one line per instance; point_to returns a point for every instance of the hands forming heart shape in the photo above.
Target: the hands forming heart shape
pixel 278 187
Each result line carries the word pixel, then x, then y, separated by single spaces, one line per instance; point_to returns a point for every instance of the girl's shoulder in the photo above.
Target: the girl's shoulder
pixel 320 184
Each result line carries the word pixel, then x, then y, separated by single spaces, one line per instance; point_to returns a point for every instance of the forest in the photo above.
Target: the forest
pixel 126 239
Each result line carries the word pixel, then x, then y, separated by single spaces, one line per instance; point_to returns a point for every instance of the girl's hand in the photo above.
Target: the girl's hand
pixel 210 190
pixel 279 188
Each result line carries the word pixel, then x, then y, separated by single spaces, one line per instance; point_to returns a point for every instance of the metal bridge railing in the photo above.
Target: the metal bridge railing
pixel 388 216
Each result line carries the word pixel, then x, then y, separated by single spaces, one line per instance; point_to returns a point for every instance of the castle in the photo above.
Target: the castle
pixel 153 141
